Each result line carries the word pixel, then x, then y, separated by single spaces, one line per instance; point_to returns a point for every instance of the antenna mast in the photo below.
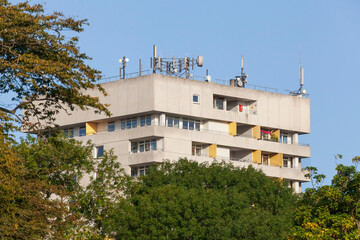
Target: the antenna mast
pixel 174 66
pixel 241 80
pixel 300 91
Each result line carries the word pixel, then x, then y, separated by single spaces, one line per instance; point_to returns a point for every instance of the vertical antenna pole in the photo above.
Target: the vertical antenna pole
pixel 139 66
pixel 124 64
pixel 242 63
pixel 300 68
pixel 173 63
pixel 154 58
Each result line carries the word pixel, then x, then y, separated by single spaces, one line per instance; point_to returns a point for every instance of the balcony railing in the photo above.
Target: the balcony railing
pixel 209 131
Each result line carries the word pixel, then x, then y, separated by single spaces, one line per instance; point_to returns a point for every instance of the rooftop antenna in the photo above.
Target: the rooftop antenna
pixel 300 91
pixel 124 62
pixel 174 66
pixel 241 80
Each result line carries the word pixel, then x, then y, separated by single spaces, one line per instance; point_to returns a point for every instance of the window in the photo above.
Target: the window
pixel 185 124
pixel 176 123
pixel 170 121
pixel 82 131
pixel 265 159
pixel 197 125
pixel 134 122
pixel 287 162
pixel 148 120
pixel 191 124
pixel 139 171
pixel 196 150
pixel 128 123
pixel 134 147
pixel 142 121
pixel 196 98
pixel 111 126
pixel 153 145
pixel 123 125
pixel 219 103
pixel 69 132
pixel 99 151
pixel 147 146
pixel 143 146
pixel 284 138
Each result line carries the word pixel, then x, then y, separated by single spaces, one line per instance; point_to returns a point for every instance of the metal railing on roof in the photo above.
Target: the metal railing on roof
pixel 197 78
pixel 128 75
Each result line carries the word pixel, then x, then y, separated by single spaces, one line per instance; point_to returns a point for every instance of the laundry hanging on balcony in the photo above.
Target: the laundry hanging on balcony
pixel 268 132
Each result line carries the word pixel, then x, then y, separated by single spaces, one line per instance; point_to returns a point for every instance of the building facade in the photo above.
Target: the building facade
pixel 157 117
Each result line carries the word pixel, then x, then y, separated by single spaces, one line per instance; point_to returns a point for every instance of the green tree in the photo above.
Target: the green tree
pixel 43 70
pixel 42 66
pixel 188 200
pixel 46 189
pixel 331 211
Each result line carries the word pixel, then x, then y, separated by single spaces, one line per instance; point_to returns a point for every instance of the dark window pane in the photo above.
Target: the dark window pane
pixel 153 145
pixel 197 126
pixel 191 124
pixel 82 131
pixel 128 123
pixel 195 98
pixel 111 127
pixel 176 122
pixel 100 151
pixel 147 146
pixel 134 147
pixel 142 147
pixel 142 121
pixel 123 125
pixel 134 171
pixel 185 124
pixel 148 120
pixel 170 122
pixel 219 104
pixel 134 123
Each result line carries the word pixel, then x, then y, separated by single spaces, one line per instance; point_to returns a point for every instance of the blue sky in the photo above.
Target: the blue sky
pixel 269 34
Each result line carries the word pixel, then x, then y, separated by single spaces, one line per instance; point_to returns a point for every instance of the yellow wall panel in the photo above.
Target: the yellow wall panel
pixel 276 160
pixel 276 135
pixel 256 132
pixel 212 150
pixel 256 156
pixel 91 128
pixel 232 128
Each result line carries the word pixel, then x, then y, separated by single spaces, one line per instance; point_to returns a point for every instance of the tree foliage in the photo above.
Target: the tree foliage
pixel 331 212
pixel 42 66
pixel 188 200
pixel 45 188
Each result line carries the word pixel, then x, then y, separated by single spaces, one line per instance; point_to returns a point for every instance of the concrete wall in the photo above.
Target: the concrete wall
pixel 278 111
pixel 161 95
pixel 173 95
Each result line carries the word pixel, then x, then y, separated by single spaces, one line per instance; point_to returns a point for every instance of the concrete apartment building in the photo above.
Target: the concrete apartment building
pixel 157 117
